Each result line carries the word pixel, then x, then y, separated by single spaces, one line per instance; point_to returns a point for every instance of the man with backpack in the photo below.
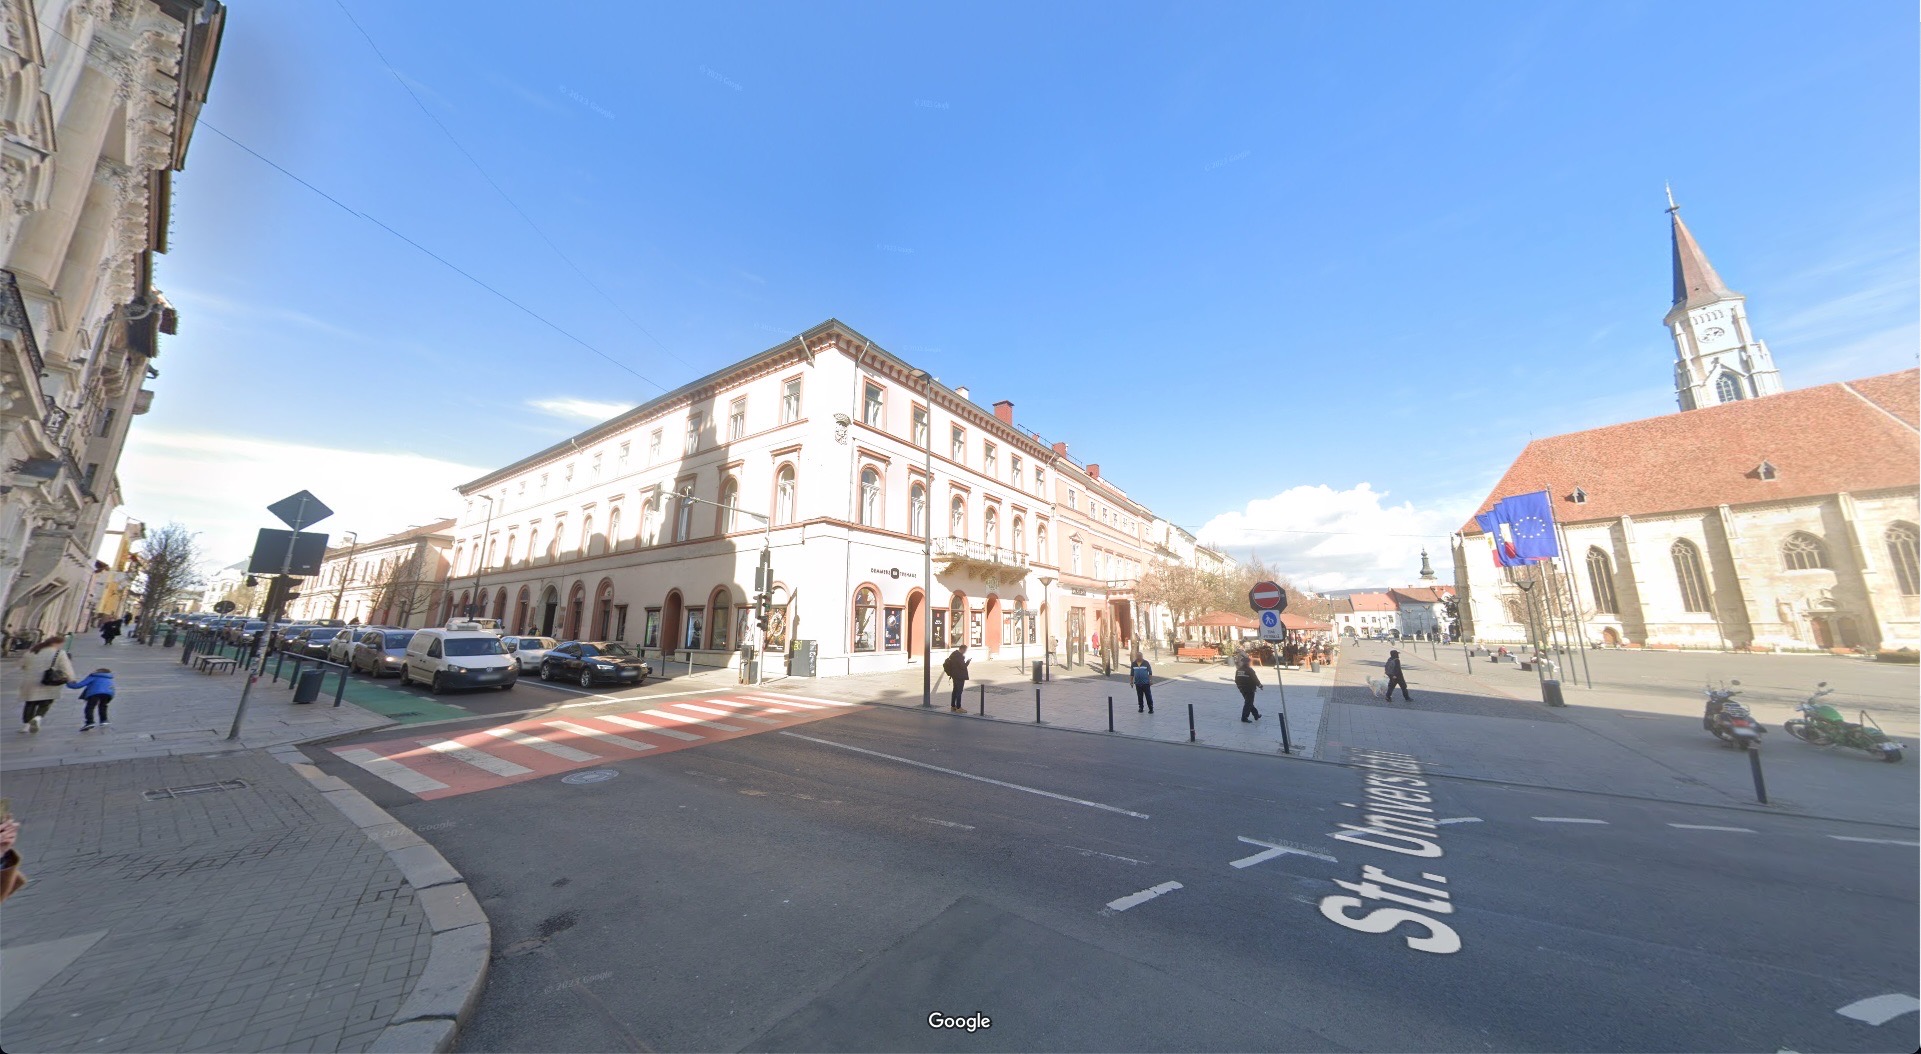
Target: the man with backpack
pixel 956 669
pixel 1395 676
pixel 1143 685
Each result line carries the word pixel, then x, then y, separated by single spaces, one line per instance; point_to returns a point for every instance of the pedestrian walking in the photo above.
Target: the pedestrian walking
pixel 1395 676
pixel 956 670
pixel 109 630
pixel 43 672
pixel 1143 685
pixel 96 690
pixel 1248 683
pixel 11 877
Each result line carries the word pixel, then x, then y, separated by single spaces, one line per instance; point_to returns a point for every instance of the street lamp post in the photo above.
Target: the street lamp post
pixel 341 593
pixel 1047 624
pixel 927 549
pixel 480 557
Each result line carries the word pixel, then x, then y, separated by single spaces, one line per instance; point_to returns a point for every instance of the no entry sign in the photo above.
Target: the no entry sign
pixel 1267 596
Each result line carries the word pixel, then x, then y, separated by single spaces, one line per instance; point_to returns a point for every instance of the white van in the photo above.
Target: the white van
pixel 458 658
pixel 485 625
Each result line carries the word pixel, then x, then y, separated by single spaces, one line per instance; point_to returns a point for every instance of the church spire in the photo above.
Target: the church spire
pixel 1695 282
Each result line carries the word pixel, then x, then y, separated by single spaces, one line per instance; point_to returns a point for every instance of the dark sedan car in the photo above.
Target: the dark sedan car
pixel 316 641
pixel 593 661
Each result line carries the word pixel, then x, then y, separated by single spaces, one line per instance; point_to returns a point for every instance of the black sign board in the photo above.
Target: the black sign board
pixel 270 553
pixel 299 510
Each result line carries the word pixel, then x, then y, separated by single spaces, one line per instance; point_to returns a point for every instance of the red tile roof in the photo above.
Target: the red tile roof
pixel 1373 602
pixel 1832 439
pixel 1424 594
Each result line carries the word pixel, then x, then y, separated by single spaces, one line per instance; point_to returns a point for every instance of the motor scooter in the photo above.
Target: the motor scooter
pixel 1730 721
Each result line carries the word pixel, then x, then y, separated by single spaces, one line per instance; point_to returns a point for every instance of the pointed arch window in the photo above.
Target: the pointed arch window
pixel 1901 538
pixel 1803 552
pixel 1727 388
pixel 1690 575
pixel 1600 576
pixel 869 497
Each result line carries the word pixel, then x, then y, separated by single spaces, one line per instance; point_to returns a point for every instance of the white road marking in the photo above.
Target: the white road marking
pixel 1711 827
pixel 1881 1009
pixel 783 697
pixel 1566 819
pixel 1097 852
pixel 767 708
pixel 1876 841
pixel 971 776
pixel 1145 895
pixel 556 749
pixel 671 733
pixel 1275 849
pixel 604 737
pixel 711 712
pixel 1460 819
pixel 390 770
pixel 669 715
pixel 477 758
pixel 944 823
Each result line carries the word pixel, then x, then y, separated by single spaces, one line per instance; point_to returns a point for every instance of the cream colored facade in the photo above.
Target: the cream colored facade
pixel 1105 545
pixel 399 580
pixel 97 103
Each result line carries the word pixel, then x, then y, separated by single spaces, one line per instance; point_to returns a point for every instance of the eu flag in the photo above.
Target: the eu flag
pixel 1531 520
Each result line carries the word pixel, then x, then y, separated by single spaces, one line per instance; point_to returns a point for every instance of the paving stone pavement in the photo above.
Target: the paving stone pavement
pixel 249 919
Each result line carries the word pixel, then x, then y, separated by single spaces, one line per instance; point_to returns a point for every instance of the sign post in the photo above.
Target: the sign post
pixel 296 511
pixel 1268 600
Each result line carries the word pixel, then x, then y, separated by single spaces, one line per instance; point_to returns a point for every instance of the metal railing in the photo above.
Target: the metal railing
pixel 13 312
pixel 980 552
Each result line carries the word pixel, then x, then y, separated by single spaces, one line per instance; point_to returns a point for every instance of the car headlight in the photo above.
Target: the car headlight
pixel 602 665
pixel 456 669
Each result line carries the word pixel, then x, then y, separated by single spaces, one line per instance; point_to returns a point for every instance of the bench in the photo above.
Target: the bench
pixel 209 663
pixel 1203 654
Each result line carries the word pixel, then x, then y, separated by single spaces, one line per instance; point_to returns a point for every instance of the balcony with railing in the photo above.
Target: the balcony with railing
pixel 964 554
pixel 13 315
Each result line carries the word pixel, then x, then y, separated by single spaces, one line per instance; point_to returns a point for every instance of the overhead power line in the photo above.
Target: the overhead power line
pixel 498 189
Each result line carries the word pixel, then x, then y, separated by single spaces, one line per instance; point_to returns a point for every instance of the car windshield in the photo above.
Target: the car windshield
pixel 473 646
pixel 618 651
pixel 398 640
pixel 538 643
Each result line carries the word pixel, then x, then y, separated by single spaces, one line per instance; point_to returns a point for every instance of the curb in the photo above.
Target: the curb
pixel 443 998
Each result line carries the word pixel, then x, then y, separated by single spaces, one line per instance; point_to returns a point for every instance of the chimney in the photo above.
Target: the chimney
pixel 1005 411
pixel 962 392
pixel 1093 472
pixel 1060 449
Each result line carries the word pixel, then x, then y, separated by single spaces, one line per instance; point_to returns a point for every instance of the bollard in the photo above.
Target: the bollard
pixel 186 653
pixel 1760 785
pixel 1110 713
pixel 341 688
pixel 1287 746
pixel 983 700
pixel 1037 705
pixel 279 659
pixel 1190 722
pixel 690 663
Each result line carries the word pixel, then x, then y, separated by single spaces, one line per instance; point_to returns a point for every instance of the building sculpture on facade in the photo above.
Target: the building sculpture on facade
pixel 98 100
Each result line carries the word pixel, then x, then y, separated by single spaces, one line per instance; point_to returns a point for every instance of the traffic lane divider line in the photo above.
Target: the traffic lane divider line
pixel 1460 819
pixel 1881 1009
pixel 1567 819
pixel 1133 900
pixel 972 776
pixel 1711 827
pixel 1875 841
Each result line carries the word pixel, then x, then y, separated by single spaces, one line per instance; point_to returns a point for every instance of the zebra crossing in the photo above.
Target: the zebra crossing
pixel 481 759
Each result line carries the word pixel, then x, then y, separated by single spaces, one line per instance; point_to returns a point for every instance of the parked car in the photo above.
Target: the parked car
pixel 341 648
pixel 380 651
pixel 451 658
pixel 528 651
pixel 317 642
pixel 240 632
pixel 591 661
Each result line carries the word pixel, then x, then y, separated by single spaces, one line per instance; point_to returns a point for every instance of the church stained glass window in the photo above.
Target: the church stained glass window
pixel 1690 575
pixel 1727 388
pixel 1600 575
pixel 1803 552
pixel 1901 539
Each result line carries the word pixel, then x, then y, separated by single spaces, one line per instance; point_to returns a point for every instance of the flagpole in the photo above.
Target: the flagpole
pixel 1580 624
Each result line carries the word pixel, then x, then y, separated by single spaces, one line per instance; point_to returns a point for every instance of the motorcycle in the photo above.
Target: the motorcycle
pixel 1730 721
pixel 1824 726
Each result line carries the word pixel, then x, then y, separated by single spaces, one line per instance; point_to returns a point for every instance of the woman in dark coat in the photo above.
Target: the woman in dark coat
pixel 1248 683
pixel 109 630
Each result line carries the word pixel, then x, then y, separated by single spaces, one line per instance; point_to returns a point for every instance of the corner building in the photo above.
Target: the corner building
pixel 846 452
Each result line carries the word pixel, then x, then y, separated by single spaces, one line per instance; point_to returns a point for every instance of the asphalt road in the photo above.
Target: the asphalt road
pixel 783 892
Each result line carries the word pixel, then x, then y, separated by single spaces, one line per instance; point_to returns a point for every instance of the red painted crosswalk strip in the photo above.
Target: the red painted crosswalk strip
pixel 430 766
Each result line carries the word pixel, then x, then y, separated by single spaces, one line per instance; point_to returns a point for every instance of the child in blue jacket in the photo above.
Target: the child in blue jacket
pixel 96 690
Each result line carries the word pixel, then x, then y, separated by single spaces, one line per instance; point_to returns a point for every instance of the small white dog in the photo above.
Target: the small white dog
pixel 1377 685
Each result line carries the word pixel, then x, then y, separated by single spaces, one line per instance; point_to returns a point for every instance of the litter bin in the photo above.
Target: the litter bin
pixel 1040 670
pixel 307 689
pixel 1551 693
pixel 170 638
pixel 804 660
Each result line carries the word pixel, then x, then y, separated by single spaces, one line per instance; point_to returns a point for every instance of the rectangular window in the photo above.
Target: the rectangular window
pixel 596 466
pixel 106 421
pixel 620 622
pixel 693 433
pixel 920 426
pixel 696 624
pixel 870 406
pixel 650 629
pixel 737 419
pixel 790 401
pixel 543 483
pixel 567 474
pixel 960 445
pixel 719 643
pixel 1073 498
pixel 653 448
pixel 990 459
pixel 1040 480
pixel 1014 463
pixel 975 626
pixel 624 448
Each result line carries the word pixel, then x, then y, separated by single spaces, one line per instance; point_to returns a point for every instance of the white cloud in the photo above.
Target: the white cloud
pixel 586 410
pixel 1324 538
pixel 220 486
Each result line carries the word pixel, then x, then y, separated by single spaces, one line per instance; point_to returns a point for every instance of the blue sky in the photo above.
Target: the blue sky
pixel 1337 261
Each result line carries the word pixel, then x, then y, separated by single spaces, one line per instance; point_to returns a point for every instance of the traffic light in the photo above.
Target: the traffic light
pixel 252 581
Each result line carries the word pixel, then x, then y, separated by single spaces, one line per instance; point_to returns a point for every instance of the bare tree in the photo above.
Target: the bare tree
pixel 168 564
pixel 400 594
